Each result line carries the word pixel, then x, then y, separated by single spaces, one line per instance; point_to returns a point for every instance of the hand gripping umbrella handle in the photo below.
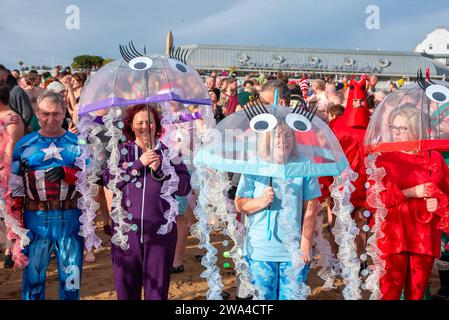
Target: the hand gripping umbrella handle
pixel 153 173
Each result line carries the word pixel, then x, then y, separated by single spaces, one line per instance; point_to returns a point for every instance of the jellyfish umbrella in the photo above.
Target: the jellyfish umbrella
pixel 242 143
pixel 275 141
pixel 411 118
pixel 181 97
pixel 430 99
pixel 137 78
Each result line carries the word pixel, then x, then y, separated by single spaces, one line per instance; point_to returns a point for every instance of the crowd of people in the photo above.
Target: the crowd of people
pixel 39 114
pixel 329 93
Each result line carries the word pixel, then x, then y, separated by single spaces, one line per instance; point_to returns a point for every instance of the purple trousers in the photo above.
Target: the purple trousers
pixel 144 264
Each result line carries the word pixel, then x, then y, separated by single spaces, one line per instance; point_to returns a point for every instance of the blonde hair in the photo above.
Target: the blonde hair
pixel 265 146
pixel 319 84
pixel 411 115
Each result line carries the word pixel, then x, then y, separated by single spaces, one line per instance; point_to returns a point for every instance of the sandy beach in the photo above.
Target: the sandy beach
pixel 97 279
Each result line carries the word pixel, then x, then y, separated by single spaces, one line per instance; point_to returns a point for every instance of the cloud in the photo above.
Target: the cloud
pixel 35 32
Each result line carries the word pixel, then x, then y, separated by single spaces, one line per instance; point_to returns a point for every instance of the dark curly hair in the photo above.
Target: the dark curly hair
pixel 129 116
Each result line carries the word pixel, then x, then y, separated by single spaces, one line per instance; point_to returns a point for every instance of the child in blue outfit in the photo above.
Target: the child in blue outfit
pixel 261 200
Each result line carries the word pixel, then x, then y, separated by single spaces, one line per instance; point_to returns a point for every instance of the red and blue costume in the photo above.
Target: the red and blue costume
pixel 43 192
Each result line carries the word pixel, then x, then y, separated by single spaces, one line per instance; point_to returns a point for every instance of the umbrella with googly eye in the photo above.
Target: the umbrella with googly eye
pixel 414 117
pixel 273 141
pixel 137 78
pixel 276 142
pixel 428 101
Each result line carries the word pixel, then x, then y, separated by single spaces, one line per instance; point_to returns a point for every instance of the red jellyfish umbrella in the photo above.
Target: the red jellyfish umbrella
pixel 402 136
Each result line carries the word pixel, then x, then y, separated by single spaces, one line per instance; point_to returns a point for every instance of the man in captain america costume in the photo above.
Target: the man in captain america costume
pixel 43 192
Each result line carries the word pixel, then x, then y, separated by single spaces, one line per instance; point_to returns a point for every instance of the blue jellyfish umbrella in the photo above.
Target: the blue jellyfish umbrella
pixel 276 142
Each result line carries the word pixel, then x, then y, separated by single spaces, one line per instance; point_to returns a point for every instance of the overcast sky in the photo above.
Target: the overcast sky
pixel 35 31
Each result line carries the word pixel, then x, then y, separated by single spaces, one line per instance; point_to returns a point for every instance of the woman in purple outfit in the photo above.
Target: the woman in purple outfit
pixel 148 260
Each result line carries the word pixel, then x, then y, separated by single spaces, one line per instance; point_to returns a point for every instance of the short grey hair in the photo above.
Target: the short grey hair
pixel 52 97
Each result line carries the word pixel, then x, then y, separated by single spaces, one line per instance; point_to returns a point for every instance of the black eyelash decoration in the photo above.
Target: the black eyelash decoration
pixel 300 104
pixel 179 54
pixel 421 82
pixel 254 107
pixel 248 112
pixel 129 53
pixel 301 109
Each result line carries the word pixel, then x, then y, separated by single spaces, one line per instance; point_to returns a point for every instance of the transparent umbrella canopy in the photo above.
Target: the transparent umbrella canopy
pixel 276 142
pixel 419 112
pixel 140 78
pixel 273 141
pixel 137 78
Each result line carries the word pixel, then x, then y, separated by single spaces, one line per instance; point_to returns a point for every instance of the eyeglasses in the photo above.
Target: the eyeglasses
pixel 398 129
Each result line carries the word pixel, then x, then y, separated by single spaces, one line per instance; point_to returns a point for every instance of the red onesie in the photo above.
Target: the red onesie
pixel 412 235
pixel 351 139
pixel 350 129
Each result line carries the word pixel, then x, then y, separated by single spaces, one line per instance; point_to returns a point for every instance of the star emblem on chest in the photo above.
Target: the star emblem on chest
pixel 52 152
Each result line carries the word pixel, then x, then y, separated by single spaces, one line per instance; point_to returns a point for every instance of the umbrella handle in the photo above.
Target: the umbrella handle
pixel 155 176
pixel 153 173
pixel 269 215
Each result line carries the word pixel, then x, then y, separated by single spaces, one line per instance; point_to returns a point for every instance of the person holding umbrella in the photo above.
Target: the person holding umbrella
pixel 409 187
pixel 140 79
pixel 148 260
pixel 279 151
pixel 259 197
pixel 413 194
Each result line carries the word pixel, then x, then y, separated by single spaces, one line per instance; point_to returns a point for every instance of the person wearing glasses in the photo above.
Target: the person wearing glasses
pixel 416 199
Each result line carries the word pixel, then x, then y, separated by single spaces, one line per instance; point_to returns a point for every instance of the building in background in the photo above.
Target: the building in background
pixel 436 45
pixel 387 65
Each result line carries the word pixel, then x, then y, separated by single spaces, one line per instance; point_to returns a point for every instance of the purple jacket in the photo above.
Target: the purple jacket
pixel 154 206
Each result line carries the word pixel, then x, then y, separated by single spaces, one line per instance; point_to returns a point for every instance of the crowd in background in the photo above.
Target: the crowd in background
pixel 227 91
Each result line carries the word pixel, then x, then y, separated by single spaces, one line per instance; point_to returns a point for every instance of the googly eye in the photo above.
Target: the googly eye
pixel 178 65
pixel 298 122
pixel 263 122
pixel 140 63
pixel 438 93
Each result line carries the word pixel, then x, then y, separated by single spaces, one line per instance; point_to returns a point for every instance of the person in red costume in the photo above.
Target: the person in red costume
pixel 350 129
pixel 416 198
